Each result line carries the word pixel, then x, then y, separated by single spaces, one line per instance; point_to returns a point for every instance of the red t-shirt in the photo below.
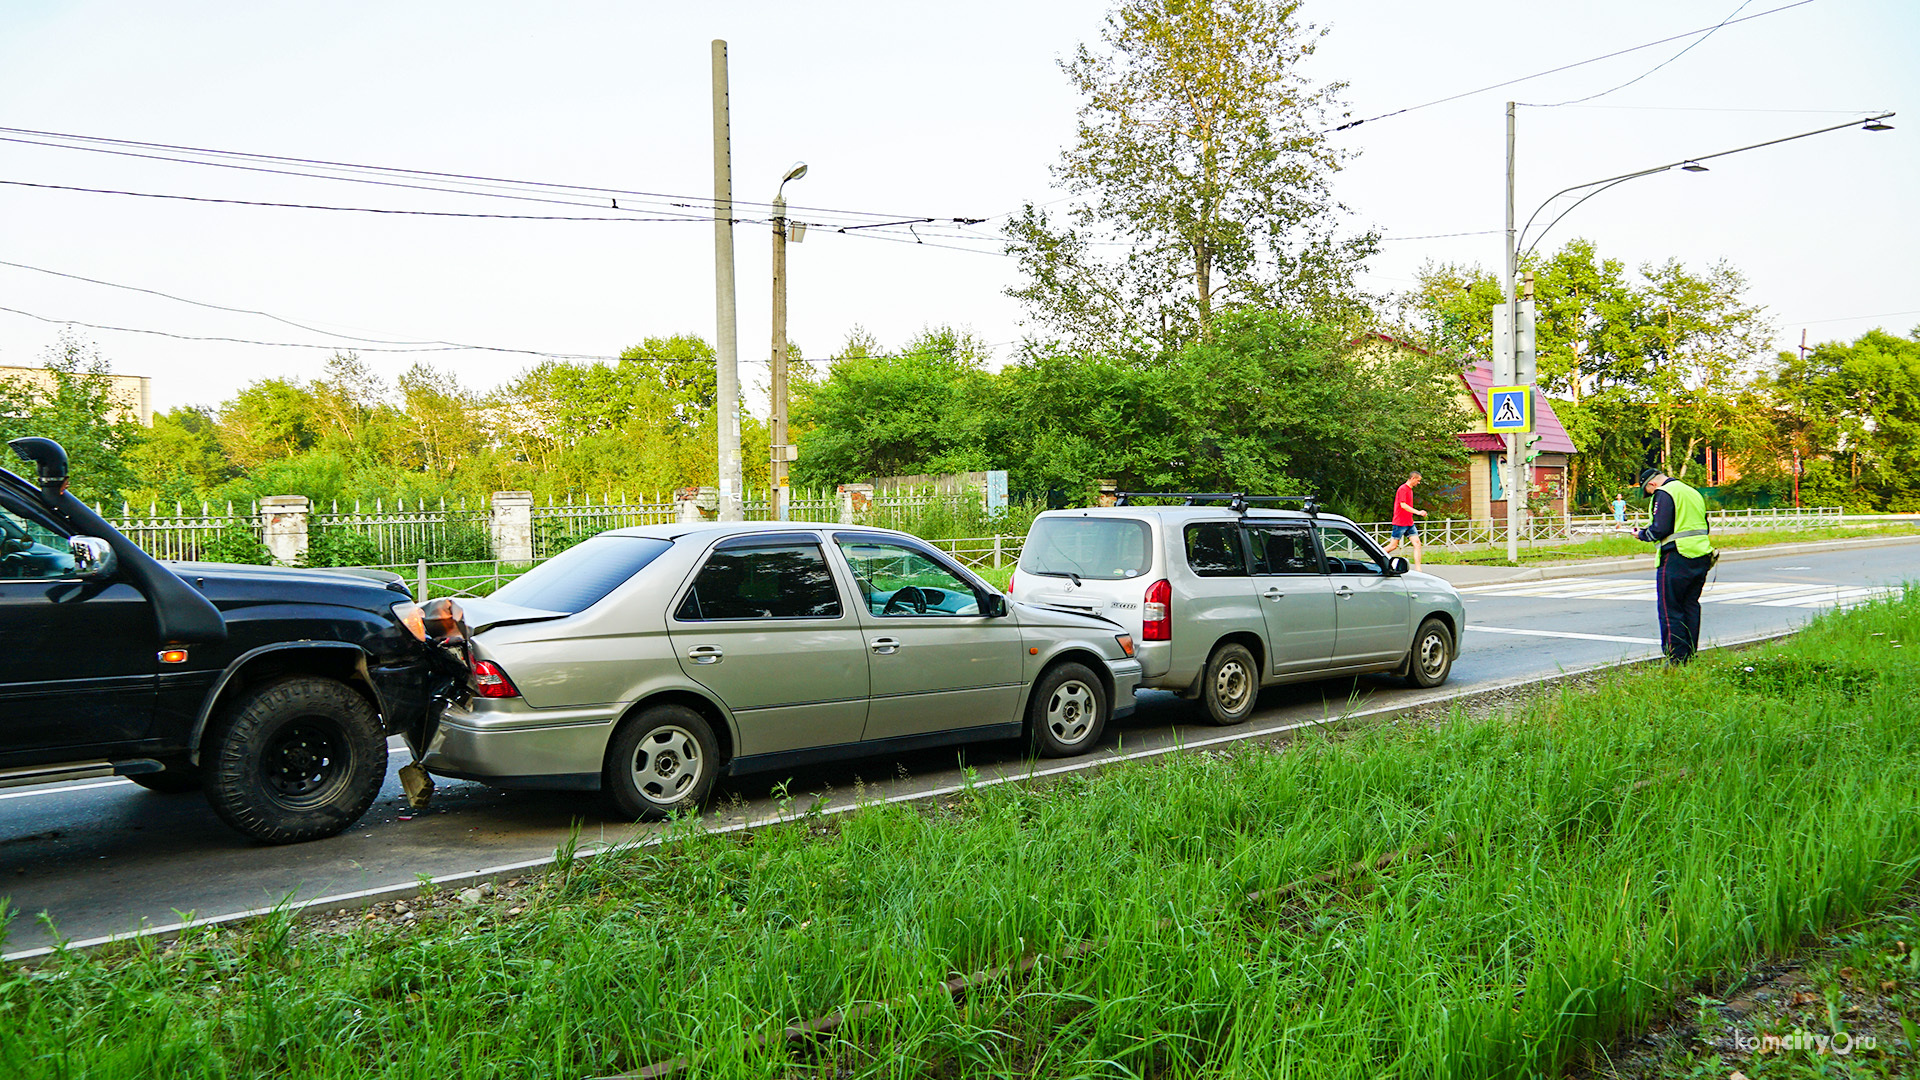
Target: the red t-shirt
pixel 1402 515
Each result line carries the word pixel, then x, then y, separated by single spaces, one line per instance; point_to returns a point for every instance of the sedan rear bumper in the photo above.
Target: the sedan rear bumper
pixel 505 746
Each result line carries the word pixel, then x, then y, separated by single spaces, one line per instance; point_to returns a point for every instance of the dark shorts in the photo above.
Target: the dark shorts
pixel 1401 532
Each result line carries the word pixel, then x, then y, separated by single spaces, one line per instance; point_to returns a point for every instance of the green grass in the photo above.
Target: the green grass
pixel 1609 849
pixel 1622 546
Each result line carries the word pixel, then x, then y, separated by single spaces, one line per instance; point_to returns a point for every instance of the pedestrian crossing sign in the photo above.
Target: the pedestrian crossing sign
pixel 1510 410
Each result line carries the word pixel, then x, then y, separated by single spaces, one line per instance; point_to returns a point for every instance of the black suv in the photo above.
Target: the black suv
pixel 271 689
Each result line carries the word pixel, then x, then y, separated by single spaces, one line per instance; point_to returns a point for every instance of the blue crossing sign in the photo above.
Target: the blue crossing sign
pixel 1510 410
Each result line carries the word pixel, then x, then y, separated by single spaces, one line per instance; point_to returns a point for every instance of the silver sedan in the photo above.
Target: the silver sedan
pixel 647 662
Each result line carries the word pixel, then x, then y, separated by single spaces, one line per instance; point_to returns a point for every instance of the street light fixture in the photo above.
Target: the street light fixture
pixel 780 452
pixel 1508 364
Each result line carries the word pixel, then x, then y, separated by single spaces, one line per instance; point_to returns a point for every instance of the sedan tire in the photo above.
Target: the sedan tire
pixel 1068 711
pixel 298 759
pixel 662 762
pixel 1430 659
pixel 1231 684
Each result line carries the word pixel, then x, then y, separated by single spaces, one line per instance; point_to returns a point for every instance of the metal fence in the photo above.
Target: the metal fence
pixel 399 533
pixel 802 505
pixel 1482 532
pixel 183 536
pixel 558 526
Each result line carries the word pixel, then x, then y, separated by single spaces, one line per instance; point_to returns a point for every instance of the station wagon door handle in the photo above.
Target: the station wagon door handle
pixel 1273 594
pixel 705 654
pixel 1343 591
pixel 885 645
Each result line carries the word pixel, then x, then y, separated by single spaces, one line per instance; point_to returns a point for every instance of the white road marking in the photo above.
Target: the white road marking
pixel 62 790
pixel 1757 593
pixel 1475 628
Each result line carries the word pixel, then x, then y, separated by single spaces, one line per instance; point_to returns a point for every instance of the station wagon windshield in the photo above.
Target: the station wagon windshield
pixel 1103 549
pixel 578 577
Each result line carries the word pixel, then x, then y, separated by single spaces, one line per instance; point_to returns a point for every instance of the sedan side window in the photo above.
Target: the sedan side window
pixel 1213 550
pixel 897 580
pixel 29 551
pixel 786 582
pixel 1282 551
pixel 1346 554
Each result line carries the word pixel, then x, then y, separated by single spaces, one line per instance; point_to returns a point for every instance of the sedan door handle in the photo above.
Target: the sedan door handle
pixel 1343 592
pixel 1273 594
pixel 705 654
pixel 885 645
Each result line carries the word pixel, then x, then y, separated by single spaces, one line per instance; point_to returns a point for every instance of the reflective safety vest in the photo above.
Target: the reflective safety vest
pixel 1689 521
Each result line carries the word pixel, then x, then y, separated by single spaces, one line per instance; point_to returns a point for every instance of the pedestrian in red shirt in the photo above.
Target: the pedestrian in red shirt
pixel 1403 515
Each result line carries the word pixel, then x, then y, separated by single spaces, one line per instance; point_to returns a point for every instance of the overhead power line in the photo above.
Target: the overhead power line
pixel 1684 51
pixel 1569 67
pixel 349 209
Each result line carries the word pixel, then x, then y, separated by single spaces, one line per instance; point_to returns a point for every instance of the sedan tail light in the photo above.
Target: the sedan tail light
pixel 1156 612
pixel 490 682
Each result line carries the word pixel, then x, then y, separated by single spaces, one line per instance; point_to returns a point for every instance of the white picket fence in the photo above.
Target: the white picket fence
pixel 1481 532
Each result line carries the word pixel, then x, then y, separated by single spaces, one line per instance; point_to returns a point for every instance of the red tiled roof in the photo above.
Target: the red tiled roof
pixel 1553 437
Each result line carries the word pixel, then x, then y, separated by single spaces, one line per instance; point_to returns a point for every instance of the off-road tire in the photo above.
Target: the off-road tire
pixel 174 780
pixel 1230 686
pixel 662 762
pixel 297 759
pixel 1430 659
pixel 1067 711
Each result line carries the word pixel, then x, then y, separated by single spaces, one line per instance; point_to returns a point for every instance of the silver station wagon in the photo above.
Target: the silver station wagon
pixel 1224 599
pixel 647 662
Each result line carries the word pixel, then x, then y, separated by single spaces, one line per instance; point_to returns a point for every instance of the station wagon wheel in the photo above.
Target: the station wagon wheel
pixel 1430 659
pixel 1067 711
pixel 662 762
pixel 1231 684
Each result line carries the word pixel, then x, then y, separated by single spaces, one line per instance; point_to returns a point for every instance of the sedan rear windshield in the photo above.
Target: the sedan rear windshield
pixel 1104 549
pixel 578 577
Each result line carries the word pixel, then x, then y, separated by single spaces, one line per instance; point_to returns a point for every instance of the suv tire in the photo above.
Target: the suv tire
pixel 661 762
pixel 1230 685
pixel 298 759
pixel 1067 711
pixel 1430 659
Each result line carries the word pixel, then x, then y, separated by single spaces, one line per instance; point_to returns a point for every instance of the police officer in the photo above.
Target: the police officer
pixel 1680 528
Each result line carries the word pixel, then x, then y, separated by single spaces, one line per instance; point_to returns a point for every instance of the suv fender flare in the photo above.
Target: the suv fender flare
pixel 241 662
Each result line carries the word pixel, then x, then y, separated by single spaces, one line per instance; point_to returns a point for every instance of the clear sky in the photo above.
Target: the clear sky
pixel 900 110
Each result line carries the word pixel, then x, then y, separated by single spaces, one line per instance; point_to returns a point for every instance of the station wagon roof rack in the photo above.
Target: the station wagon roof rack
pixel 1236 501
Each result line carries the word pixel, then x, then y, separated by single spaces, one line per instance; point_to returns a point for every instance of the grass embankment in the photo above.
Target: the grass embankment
pixel 1581 863
pixel 1623 545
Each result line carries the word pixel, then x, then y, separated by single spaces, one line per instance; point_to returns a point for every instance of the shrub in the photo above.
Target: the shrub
pixel 236 543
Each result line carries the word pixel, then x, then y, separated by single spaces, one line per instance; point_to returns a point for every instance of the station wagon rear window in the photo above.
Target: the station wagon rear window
pixel 578 577
pixel 1098 548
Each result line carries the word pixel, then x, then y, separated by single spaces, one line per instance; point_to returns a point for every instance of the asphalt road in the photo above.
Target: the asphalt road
pixel 96 858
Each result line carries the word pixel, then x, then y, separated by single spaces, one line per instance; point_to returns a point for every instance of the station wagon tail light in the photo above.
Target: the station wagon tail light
pixel 489 681
pixel 1126 643
pixel 1156 612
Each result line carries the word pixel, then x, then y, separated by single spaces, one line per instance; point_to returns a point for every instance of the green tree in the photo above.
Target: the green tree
pixel 919 412
pixel 75 406
pixel 1853 410
pixel 1201 174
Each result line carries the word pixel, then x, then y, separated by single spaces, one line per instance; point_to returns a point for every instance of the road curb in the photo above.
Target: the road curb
pixel 362 899
pixel 1597 568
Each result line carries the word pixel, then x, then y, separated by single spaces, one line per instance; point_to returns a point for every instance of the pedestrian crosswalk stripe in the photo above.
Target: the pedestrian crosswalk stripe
pixel 1754 593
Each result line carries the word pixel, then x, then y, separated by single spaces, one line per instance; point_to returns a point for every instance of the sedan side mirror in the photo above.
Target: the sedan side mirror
pixel 994 605
pixel 1397 566
pixel 93 558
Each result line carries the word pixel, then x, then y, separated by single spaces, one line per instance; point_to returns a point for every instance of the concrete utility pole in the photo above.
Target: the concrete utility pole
pixel 1506 368
pixel 779 432
pixel 726 400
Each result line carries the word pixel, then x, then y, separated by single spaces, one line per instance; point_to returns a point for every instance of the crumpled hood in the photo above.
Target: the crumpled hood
pixel 483 613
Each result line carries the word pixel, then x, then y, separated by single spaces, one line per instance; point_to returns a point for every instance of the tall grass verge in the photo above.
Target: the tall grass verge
pixel 1583 861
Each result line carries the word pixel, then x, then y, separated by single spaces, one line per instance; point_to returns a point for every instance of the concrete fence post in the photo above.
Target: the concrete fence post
pixel 512 526
pixel 285 531
pixel 854 500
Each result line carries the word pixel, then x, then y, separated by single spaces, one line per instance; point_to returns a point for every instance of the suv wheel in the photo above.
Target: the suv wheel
pixel 1231 684
pixel 1067 711
pixel 1431 658
pixel 661 762
pixel 294 760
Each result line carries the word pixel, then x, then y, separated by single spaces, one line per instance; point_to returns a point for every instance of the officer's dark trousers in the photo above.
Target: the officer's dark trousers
pixel 1677 586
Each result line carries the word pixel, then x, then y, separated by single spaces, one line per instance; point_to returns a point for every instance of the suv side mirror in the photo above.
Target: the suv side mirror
pixel 1397 566
pixel 994 605
pixel 93 558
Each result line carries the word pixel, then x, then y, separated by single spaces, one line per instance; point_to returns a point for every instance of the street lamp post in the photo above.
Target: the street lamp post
pixel 779 451
pixel 1507 364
